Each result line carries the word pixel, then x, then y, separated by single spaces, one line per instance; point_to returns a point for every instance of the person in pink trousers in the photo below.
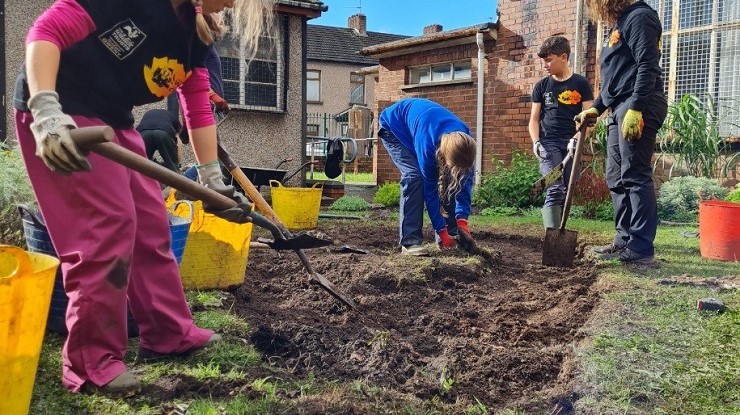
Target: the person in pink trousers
pixel 89 63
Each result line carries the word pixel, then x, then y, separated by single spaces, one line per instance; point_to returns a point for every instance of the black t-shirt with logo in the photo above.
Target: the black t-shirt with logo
pixel 138 54
pixel 561 101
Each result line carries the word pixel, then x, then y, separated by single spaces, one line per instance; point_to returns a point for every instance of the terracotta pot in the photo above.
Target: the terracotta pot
pixel 719 230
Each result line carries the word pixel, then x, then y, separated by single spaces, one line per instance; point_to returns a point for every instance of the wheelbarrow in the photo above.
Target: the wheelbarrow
pixel 262 177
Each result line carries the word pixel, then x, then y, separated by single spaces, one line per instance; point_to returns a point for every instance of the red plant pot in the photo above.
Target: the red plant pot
pixel 719 230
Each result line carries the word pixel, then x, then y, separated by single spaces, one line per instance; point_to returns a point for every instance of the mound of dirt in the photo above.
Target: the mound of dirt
pixel 453 326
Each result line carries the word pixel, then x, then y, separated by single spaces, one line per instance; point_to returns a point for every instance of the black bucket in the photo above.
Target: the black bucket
pixel 37 240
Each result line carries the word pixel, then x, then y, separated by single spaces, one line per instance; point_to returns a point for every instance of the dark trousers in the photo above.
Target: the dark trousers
pixel 555 151
pixel 629 176
pixel 158 141
pixel 411 210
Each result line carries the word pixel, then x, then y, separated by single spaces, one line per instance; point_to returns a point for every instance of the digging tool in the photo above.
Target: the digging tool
pixel 97 139
pixel 266 210
pixel 559 247
pixel 556 173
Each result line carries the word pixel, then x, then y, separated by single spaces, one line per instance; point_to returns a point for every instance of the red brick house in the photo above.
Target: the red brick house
pixel 444 66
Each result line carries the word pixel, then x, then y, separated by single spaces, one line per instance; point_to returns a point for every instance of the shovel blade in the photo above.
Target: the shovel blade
pixel 559 248
pixel 300 240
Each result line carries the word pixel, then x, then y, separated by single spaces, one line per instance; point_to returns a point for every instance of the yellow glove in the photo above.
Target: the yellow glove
pixel 583 115
pixel 632 125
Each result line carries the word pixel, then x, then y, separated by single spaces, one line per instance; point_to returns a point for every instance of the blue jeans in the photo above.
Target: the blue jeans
pixel 629 176
pixel 411 210
pixel 555 151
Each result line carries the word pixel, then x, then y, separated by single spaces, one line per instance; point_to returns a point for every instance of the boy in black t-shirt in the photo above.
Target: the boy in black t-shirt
pixel 556 99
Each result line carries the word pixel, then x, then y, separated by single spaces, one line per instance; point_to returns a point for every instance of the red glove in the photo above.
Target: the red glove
pixel 462 225
pixel 445 240
pixel 219 102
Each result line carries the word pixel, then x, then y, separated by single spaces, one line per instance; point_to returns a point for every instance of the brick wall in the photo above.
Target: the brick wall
pixel 511 70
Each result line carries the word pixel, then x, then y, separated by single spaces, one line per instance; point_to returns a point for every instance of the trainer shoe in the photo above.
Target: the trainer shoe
pixel 629 256
pixel 146 355
pixel 606 252
pixel 123 386
pixel 420 250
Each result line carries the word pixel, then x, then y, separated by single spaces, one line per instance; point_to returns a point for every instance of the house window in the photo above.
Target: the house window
pixel 313 86
pixel 259 82
pixel 442 72
pixel 357 89
pixel 312 130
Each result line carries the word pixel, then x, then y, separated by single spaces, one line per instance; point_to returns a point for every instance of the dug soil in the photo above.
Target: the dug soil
pixel 452 327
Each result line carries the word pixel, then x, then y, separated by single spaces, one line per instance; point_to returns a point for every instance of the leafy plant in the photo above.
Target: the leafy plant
pixel 734 196
pixel 499 211
pixel 388 194
pixel 679 198
pixel 350 203
pixel 15 188
pixel 691 139
pixel 597 144
pixel 509 185
pixel 591 192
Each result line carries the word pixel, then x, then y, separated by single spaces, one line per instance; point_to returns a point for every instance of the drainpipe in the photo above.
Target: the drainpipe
pixel 577 64
pixel 479 112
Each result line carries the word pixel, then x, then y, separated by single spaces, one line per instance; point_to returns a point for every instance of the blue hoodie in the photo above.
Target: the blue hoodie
pixel 419 124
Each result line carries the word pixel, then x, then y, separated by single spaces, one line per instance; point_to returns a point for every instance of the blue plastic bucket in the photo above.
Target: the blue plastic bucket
pixel 179 229
pixel 38 240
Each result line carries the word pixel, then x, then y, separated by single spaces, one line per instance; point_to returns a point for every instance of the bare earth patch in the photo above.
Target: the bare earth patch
pixel 455 327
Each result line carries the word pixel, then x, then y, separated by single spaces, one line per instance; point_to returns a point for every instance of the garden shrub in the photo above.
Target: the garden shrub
pixel 14 189
pixel 509 185
pixel 605 211
pixel 350 203
pixel 590 193
pixel 499 211
pixel 734 196
pixel 388 194
pixel 679 198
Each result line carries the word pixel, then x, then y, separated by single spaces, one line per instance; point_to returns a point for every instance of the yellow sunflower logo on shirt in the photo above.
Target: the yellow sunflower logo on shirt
pixel 164 76
pixel 569 97
pixel 614 38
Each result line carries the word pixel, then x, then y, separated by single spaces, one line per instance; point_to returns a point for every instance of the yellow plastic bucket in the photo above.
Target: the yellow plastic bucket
pixel 26 283
pixel 297 207
pixel 216 251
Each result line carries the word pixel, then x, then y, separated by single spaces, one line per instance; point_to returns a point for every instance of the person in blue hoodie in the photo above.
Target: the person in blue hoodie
pixel 632 89
pixel 434 152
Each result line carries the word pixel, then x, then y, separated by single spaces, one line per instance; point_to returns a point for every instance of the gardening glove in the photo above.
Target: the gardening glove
pixel 571 145
pixel 632 125
pixel 538 150
pixel 220 103
pixel 445 240
pixel 210 176
pixel 465 240
pixel 584 115
pixel 50 128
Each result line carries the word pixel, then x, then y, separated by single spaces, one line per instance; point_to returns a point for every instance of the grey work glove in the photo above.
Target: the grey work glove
pixel 571 145
pixel 210 176
pixel 50 128
pixel 538 150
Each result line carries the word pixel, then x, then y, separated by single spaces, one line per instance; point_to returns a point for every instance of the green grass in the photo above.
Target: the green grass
pixel 647 351
pixel 349 177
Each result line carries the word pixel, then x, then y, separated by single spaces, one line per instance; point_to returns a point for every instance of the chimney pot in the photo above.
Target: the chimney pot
pixel 432 28
pixel 358 23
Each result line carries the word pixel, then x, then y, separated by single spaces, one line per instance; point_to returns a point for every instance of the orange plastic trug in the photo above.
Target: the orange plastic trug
pixel 719 230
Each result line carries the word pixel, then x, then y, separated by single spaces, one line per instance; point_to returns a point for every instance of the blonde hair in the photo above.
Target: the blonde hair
pixel 607 10
pixel 249 19
pixel 458 150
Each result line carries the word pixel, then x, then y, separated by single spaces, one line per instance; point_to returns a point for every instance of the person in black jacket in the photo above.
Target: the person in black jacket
pixel 160 128
pixel 632 89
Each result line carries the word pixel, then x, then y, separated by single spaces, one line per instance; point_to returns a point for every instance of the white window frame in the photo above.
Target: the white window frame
pixel 317 80
pixel 276 57
pixel 356 81
pixel 426 73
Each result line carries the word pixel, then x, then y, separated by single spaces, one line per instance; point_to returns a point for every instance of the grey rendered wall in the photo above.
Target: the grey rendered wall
pixel 335 87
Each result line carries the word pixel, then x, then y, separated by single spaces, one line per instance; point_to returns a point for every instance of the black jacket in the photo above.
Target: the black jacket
pixel 630 60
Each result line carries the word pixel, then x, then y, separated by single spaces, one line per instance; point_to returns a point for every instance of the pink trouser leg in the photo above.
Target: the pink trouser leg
pixel 110 230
